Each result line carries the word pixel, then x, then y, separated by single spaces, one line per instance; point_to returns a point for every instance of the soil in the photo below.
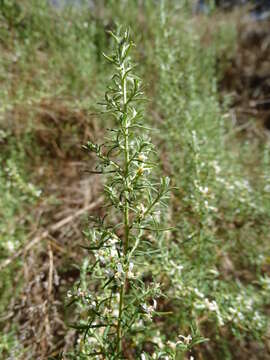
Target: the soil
pixel 247 78
pixel 52 252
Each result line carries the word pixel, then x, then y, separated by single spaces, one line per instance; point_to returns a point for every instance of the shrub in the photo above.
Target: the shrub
pixel 118 302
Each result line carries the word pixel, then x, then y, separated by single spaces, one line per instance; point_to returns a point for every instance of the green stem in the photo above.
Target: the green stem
pixel 120 310
pixel 126 213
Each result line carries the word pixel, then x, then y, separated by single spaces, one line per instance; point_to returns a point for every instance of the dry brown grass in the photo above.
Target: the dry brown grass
pixel 69 193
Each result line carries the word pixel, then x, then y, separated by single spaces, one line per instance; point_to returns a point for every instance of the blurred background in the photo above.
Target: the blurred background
pixel 206 70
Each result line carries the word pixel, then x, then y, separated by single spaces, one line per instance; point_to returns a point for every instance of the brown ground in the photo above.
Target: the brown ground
pixel 69 194
pixel 247 79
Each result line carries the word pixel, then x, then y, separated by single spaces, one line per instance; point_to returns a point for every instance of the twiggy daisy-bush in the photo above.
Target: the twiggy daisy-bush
pixel 117 296
pixel 213 266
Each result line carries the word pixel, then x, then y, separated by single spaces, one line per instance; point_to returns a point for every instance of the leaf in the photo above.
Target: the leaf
pixel 111 60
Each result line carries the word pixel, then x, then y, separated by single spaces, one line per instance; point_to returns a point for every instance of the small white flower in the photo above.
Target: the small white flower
pixel 240 316
pixel 198 293
pixel 113 253
pixel 185 339
pixel 171 344
pixel 113 240
pixel 102 260
pixel 212 306
pixel 232 310
pixel 120 268
pixel 10 246
pixel 157 340
pixel 93 305
pixel 267 188
pixel 109 273
pixel 216 167
pixel 80 292
pixel 145 307
pixel 214 272
pixel 203 190
pixel 142 157
pixel 130 274
pixel 149 309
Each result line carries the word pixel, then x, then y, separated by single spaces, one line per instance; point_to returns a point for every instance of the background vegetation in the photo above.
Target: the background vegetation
pixel 215 265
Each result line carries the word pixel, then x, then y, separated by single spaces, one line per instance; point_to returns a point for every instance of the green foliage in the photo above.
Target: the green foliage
pixel 215 193
pixel 212 262
pixel 16 196
pixel 118 303
pixel 9 345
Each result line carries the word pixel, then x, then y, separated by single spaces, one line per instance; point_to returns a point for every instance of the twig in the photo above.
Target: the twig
pixel 46 233
pixel 50 278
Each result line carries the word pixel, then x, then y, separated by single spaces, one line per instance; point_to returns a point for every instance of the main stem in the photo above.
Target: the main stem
pixel 126 210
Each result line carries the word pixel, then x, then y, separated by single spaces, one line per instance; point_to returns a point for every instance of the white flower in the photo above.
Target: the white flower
pixel 203 190
pixel 130 274
pixel 102 260
pixel 93 304
pixel 232 310
pixel 143 169
pixel 198 293
pixel 109 273
pixel 267 188
pixel 113 240
pixel 120 268
pixel 142 157
pixel 214 272
pixel 141 208
pixel 212 306
pixel 199 306
pixel 216 167
pixel 10 246
pixel 179 268
pixel 149 309
pixel 157 340
pixel 240 316
pixel 80 292
pixel 186 339
pixel 171 344
pixel 113 253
